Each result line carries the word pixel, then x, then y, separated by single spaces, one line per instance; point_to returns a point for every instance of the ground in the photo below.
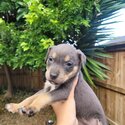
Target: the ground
pixel 7 118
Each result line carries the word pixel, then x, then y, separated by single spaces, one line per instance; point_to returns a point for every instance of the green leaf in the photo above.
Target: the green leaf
pixel 97 64
pixel 89 78
pixel 24 46
pixel 103 55
pixel 85 23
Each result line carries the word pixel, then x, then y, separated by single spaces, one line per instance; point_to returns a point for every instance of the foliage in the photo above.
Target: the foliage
pixel 58 19
pixel 6 34
pixel 20 45
pixel 95 34
pixel 31 26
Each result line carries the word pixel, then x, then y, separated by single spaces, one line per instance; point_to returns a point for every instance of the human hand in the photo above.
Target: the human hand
pixel 66 111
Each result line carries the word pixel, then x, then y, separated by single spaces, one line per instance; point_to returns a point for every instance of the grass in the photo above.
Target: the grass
pixel 7 118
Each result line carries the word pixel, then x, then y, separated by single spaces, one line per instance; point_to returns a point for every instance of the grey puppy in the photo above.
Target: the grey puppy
pixel 63 65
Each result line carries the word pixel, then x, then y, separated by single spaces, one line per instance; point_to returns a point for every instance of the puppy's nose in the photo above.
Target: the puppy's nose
pixel 53 75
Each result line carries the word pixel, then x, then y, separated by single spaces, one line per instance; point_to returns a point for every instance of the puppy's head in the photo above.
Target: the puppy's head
pixel 63 63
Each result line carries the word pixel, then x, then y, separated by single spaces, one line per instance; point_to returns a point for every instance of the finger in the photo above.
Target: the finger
pixel 56 105
pixel 71 94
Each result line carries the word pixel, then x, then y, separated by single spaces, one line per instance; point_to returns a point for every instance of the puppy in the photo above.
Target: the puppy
pixel 63 65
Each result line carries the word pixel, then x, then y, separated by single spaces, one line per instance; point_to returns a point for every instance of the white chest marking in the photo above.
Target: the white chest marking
pixel 48 87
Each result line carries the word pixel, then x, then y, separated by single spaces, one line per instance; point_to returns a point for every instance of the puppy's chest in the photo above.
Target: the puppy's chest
pixel 48 87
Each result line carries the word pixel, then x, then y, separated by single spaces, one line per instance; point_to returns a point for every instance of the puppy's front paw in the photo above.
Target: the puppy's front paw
pixel 30 111
pixel 12 107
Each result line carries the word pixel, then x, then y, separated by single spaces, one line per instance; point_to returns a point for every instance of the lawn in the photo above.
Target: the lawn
pixel 7 118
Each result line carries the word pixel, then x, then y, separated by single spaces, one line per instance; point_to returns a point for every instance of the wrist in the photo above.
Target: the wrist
pixel 64 123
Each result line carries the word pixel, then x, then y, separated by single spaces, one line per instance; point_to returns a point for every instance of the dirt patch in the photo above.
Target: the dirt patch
pixel 7 118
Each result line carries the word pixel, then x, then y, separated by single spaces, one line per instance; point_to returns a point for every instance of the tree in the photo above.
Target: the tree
pixel 18 46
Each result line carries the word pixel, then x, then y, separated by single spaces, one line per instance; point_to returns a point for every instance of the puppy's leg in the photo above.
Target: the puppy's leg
pixel 44 99
pixel 38 103
pixel 13 107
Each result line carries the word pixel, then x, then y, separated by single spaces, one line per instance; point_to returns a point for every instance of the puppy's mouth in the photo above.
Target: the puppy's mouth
pixel 56 82
pixel 53 82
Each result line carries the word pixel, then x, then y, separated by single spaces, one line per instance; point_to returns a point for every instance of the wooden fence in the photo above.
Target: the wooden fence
pixel 23 78
pixel 112 91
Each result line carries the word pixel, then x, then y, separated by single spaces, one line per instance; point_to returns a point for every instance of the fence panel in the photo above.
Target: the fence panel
pixel 111 92
pixel 23 78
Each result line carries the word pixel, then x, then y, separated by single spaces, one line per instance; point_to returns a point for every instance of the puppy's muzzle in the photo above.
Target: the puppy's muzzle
pixel 54 75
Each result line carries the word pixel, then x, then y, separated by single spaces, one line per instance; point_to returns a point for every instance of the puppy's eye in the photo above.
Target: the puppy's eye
pixel 69 64
pixel 50 59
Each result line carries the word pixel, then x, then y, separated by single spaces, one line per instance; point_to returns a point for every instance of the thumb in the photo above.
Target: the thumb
pixel 71 94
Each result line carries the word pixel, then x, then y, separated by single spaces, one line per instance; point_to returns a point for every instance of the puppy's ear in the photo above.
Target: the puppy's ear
pixel 82 57
pixel 47 54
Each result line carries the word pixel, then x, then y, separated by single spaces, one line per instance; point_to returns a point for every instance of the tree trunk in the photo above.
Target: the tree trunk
pixel 9 92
